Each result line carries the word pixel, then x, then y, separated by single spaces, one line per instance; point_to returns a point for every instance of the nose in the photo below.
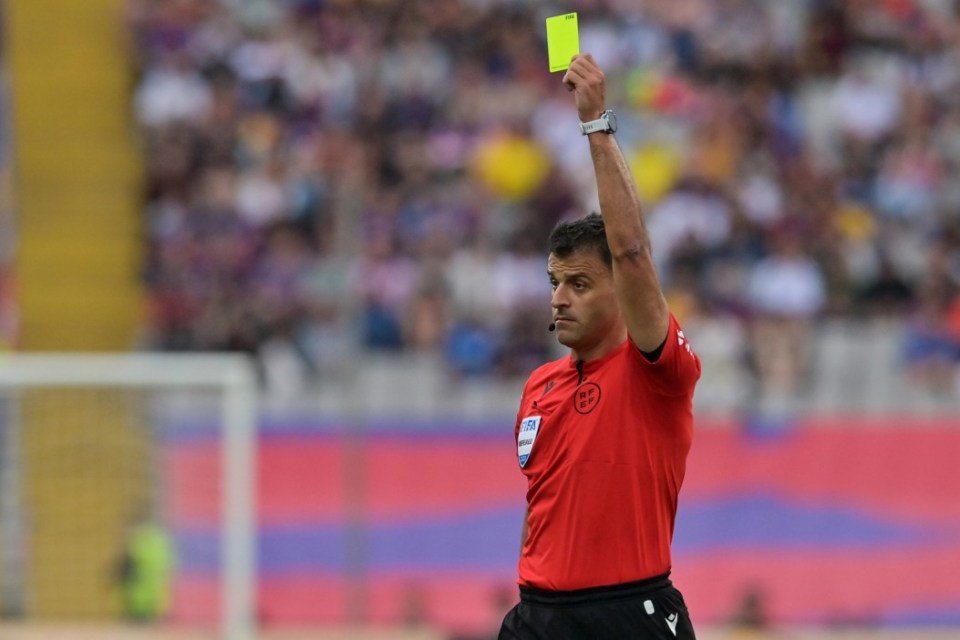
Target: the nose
pixel 558 300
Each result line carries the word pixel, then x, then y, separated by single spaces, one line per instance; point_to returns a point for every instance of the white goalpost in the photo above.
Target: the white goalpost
pixel 36 391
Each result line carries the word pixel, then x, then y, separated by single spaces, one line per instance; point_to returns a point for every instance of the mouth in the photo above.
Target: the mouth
pixel 562 320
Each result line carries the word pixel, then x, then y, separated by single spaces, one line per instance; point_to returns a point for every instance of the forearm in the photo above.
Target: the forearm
pixel 638 289
pixel 619 200
pixel 642 302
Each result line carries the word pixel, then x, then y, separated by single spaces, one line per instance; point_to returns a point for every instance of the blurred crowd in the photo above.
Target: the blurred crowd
pixel 329 173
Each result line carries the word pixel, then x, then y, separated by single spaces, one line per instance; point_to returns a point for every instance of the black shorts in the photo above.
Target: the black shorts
pixel 646 610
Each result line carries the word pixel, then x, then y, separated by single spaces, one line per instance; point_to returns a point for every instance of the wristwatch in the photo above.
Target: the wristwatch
pixel 607 122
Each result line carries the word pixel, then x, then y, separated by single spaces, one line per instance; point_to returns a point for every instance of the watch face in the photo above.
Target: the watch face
pixel 612 119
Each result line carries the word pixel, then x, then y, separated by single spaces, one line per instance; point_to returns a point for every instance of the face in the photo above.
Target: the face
pixel 585 307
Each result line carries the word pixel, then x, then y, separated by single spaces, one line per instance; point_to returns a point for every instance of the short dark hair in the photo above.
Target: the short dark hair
pixel 587 233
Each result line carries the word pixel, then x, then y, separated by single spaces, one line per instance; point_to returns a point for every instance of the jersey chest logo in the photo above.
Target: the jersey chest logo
pixel 528 433
pixel 586 397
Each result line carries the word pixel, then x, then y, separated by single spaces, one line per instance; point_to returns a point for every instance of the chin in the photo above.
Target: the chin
pixel 565 339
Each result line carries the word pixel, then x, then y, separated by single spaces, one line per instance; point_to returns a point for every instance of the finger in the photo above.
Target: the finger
pixel 584 72
pixel 566 77
pixel 575 76
pixel 585 61
pixel 578 68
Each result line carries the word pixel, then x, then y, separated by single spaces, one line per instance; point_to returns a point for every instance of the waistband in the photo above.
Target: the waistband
pixel 595 594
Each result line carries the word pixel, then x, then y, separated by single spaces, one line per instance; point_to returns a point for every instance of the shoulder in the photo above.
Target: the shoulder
pixel 677 368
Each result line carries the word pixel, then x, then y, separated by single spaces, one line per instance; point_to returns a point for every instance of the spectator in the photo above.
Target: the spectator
pixel 425 135
pixel 785 293
pixel 171 92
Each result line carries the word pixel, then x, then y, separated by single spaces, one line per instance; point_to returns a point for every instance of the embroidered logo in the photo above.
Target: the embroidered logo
pixel 586 397
pixel 546 389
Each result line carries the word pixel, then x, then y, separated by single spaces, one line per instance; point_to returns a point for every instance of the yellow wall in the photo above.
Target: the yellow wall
pixel 77 170
pixel 76 179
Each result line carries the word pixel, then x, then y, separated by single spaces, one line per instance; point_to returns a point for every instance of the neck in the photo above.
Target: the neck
pixel 610 341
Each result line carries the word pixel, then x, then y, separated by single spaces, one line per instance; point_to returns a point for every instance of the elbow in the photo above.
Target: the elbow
pixel 631 252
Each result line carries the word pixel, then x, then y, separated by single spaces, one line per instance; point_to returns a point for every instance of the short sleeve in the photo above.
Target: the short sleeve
pixel 520 409
pixel 677 369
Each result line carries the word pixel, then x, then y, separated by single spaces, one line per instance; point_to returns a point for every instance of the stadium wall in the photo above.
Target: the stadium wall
pixel 829 522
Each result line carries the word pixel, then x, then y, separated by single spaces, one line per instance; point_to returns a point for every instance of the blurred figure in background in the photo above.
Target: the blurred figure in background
pixel 931 345
pixel 751 619
pixel 145 573
pixel 785 291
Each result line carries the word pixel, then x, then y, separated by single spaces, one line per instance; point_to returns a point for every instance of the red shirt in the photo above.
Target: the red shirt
pixel 607 443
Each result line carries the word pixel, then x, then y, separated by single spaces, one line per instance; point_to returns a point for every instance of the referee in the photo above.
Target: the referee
pixel 603 435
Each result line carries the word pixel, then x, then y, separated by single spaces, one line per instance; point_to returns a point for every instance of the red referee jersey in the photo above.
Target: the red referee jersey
pixel 603 445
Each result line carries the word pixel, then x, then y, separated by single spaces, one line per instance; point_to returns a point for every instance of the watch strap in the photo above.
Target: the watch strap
pixel 593 126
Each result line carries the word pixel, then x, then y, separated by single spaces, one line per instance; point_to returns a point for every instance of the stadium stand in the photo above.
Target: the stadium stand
pixel 382 174
pixel 357 193
pixel 302 150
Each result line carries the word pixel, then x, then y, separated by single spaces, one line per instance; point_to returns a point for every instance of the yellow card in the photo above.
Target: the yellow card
pixel 563 40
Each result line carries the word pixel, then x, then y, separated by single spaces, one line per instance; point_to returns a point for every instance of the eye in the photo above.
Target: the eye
pixel 553 284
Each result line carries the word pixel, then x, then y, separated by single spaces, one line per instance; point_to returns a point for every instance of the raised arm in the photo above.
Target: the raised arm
pixel 638 289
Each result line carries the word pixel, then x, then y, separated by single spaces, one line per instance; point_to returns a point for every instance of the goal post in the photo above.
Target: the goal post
pixel 42 383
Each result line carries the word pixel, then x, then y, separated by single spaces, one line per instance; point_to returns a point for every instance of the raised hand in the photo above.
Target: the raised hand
pixel 586 80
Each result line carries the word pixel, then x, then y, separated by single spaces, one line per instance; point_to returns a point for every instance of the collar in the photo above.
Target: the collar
pixel 592 365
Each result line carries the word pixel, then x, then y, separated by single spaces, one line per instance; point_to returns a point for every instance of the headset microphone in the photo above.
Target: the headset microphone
pixel 552 327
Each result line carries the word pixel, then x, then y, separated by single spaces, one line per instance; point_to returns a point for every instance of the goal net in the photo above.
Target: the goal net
pixel 127 489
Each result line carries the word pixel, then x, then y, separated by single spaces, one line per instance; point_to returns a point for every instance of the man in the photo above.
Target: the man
pixel 603 435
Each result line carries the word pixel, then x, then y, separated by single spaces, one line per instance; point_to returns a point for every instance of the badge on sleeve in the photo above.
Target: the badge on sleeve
pixel 528 433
